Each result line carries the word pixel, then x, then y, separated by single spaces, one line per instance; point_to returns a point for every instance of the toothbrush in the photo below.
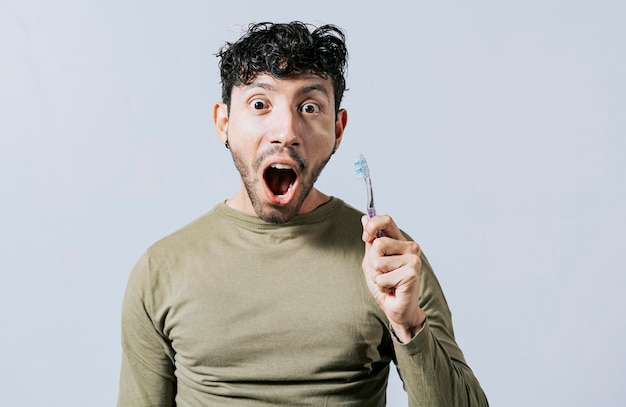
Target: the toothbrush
pixel 362 170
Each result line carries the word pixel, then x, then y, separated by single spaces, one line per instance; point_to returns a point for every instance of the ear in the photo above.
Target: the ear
pixel 220 120
pixel 340 126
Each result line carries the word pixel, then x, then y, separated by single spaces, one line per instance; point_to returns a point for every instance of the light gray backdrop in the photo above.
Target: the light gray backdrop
pixel 494 132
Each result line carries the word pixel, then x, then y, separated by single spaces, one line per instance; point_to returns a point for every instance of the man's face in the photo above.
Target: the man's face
pixel 281 133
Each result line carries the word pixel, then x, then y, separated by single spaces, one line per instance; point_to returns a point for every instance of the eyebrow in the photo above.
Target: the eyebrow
pixel 261 84
pixel 306 89
pixel 315 87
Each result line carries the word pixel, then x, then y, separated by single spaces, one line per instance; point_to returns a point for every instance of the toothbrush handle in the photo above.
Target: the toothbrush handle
pixel 371 212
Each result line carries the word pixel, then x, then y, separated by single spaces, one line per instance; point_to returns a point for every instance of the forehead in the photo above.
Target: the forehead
pixel 292 85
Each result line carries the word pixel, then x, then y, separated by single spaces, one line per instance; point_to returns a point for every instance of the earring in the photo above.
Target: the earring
pixel 226 144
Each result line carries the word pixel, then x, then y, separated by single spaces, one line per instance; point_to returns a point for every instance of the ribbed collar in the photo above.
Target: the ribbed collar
pixel 319 214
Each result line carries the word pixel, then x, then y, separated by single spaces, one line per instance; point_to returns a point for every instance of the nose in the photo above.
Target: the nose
pixel 286 130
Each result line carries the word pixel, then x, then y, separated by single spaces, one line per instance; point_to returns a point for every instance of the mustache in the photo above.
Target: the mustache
pixel 274 149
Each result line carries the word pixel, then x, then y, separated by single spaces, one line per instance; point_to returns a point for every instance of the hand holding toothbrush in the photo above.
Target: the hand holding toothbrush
pixel 391 265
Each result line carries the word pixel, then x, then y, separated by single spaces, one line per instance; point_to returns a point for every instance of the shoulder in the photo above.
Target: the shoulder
pixel 188 235
pixel 345 212
pixel 345 221
pixel 167 260
pixel 167 254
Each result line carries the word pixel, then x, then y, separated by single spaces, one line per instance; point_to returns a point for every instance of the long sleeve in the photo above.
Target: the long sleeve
pixel 147 369
pixel 431 365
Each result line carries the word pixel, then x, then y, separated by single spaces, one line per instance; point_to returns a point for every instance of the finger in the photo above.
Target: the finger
pixel 386 264
pixel 404 277
pixel 364 221
pixel 368 235
pixel 380 223
pixel 385 255
pixel 386 246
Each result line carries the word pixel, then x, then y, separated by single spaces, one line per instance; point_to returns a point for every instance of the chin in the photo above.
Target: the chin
pixel 273 213
pixel 276 215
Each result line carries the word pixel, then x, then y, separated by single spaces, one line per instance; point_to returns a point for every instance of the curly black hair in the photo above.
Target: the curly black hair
pixel 283 50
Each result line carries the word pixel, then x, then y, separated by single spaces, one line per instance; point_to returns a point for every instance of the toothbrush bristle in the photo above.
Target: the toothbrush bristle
pixel 360 167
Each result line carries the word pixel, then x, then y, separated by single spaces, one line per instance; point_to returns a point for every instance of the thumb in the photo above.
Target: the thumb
pixel 367 237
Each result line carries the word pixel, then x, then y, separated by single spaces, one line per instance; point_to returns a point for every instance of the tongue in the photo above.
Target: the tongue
pixel 279 180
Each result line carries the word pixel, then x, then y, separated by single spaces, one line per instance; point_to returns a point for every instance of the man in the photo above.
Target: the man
pixel 282 295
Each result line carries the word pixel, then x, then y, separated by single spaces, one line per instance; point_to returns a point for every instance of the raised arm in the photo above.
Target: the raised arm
pixel 429 361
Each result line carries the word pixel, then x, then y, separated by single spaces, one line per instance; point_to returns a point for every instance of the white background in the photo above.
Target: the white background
pixel 494 132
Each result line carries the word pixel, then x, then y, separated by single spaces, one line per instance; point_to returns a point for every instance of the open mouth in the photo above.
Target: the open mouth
pixel 280 178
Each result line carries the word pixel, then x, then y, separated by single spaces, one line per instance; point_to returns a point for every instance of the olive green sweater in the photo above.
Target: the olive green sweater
pixel 233 311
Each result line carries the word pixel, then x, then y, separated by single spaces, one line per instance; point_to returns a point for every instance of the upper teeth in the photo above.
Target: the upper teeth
pixel 281 166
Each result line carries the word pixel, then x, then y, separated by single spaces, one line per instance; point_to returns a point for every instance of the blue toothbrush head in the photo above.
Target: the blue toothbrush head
pixel 360 167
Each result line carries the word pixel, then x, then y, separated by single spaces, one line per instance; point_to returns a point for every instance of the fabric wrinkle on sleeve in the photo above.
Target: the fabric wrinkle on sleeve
pixel 432 366
pixel 147 374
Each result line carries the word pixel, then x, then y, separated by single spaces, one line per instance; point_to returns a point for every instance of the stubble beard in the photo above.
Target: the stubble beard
pixel 255 188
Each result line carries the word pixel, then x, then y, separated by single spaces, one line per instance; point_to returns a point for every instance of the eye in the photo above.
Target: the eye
pixel 310 108
pixel 258 104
